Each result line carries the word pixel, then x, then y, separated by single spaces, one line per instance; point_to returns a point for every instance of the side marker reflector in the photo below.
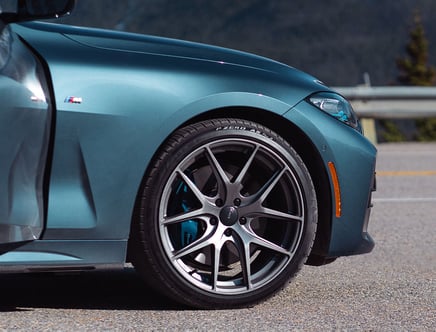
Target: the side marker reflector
pixel 336 188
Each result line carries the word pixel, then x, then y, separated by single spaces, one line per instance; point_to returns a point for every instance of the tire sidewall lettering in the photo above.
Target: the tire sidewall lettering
pixel 245 129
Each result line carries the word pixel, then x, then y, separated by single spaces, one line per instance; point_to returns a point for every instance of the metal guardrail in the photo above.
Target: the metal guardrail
pixel 396 102
pixel 389 102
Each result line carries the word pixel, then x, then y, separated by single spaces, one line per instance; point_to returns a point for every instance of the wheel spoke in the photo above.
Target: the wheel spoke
pixel 269 185
pixel 247 165
pixel 254 207
pixel 274 214
pixel 196 214
pixel 243 246
pixel 256 239
pixel 197 192
pixel 215 265
pixel 220 174
pixel 272 246
pixel 201 243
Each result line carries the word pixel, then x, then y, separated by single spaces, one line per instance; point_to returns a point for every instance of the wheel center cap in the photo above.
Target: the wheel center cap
pixel 229 215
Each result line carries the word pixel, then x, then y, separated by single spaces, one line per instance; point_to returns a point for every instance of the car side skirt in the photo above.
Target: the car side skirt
pixel 64 256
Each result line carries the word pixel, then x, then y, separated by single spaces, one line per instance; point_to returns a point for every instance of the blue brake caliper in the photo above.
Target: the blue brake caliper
pixel 189 228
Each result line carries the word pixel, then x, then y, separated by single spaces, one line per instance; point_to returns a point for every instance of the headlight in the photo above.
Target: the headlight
pixel 336 106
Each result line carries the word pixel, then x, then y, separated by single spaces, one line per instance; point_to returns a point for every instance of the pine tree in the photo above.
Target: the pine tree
pixel 414 68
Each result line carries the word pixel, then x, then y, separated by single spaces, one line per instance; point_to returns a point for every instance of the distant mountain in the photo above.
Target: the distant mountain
pixel 334 40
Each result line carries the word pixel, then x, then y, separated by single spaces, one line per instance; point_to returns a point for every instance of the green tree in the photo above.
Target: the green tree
pixel 390 132
pixel 415 70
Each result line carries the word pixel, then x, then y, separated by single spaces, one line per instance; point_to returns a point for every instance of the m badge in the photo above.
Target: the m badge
pixel 73 100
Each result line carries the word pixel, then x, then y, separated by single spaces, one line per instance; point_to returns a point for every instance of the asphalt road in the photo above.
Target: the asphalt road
pixel 391 289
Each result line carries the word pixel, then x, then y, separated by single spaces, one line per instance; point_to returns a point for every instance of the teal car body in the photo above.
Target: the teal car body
pixel 76 148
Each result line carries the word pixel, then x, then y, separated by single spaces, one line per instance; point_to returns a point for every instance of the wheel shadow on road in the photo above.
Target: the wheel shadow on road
pixel 108 290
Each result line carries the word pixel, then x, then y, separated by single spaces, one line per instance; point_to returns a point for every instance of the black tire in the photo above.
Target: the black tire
pixel 227 215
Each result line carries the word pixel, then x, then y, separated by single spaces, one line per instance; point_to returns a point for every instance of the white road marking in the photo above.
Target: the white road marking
pixel 404 199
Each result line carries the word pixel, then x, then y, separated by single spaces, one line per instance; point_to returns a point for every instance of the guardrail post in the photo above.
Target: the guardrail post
pixel 369 130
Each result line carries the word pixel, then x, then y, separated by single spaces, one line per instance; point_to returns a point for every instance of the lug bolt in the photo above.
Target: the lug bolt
pixel 237 202
pixel 228 232
pixel 242 220
pixel 213 221
pixel 219 202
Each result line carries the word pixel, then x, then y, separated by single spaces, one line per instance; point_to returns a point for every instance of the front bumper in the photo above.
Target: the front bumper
pixel 367 243
pixel 354 158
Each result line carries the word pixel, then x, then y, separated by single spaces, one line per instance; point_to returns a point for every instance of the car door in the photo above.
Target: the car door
pixel 25 118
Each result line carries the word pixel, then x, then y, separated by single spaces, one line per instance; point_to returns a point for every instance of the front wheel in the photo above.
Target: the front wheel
pixel 227 215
